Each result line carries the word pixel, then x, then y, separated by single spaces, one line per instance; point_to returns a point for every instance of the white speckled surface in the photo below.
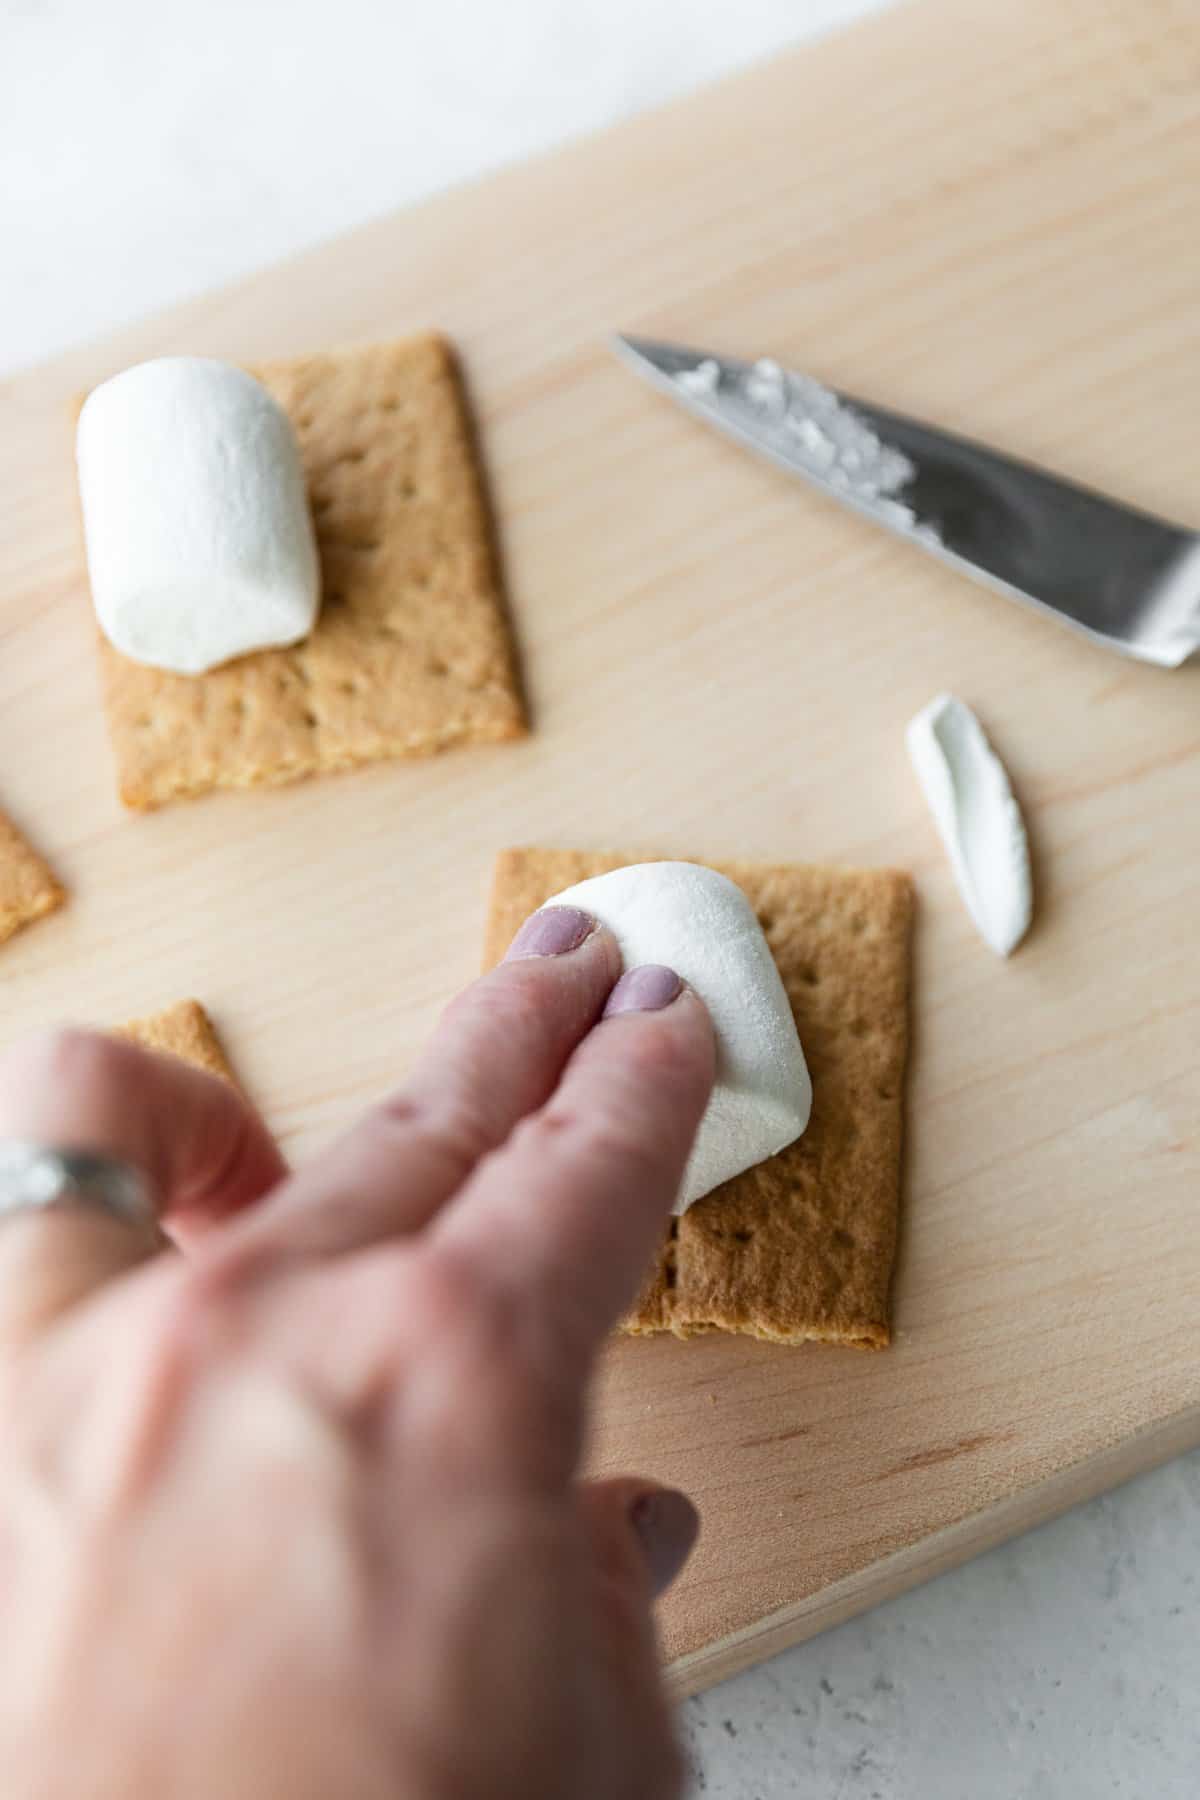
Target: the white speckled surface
pixel 166 147
pixel 1063 1666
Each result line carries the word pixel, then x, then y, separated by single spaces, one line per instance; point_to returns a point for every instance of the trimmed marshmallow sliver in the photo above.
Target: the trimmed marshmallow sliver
pixel 200 543
pixel 975 811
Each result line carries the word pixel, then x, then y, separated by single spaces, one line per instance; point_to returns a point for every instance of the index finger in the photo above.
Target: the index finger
pixel 568 1213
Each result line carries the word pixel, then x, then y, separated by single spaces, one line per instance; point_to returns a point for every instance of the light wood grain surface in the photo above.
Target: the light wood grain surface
pixel 978 212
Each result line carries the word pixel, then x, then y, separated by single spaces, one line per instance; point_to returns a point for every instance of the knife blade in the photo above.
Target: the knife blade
pixel 1127 579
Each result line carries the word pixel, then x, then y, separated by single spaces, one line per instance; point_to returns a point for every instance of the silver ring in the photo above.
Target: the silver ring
pixel 36 1177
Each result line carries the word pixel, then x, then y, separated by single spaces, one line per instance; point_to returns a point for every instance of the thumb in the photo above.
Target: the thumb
pixel 640 1536
pixel 641 1533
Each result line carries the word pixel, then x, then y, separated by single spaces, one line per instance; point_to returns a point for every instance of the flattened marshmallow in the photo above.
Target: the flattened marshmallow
pixel 703 927
pixel 200 545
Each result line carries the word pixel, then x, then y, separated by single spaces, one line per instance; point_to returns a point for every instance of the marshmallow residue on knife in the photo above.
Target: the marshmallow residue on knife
pixel 972 802
pixel 702 925
pixel 200 544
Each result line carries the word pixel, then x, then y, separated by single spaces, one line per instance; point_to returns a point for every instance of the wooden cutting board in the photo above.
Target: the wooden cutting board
pixel 980 212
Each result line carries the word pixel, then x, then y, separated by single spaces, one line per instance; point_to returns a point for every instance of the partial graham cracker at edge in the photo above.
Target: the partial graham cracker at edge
pixel 183 1030
pixel 802 1246
pixel 29 889
pixel 412 650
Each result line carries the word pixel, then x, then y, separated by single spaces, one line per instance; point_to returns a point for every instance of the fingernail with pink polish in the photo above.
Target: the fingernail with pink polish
pixel 551 932
pixel 668 1525
pixel 646 989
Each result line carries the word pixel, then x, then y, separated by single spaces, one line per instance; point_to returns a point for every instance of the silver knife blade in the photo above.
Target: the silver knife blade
pixel 1128 580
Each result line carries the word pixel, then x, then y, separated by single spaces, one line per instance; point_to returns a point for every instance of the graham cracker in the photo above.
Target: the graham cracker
pixel 28 887
pixel 183 1030
pixel 802 1246
pixel 411 651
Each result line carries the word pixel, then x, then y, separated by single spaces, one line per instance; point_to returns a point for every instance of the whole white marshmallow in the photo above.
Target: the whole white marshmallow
pixel 200 544
pixel 702 925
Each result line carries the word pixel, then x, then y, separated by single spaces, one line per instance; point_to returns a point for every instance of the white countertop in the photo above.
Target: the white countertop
pixel 173 145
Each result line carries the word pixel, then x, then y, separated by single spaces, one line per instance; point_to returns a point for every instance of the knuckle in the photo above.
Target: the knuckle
pixel 24 1396
pixel 454 1122
pixel 455 1296
pixel 515 1349
pixel 522 1005
pixel 607 1136
pixel 189 1305
pixel 515 1001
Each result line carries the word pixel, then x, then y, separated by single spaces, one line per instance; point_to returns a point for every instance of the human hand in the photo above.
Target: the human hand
pixel 298 1512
